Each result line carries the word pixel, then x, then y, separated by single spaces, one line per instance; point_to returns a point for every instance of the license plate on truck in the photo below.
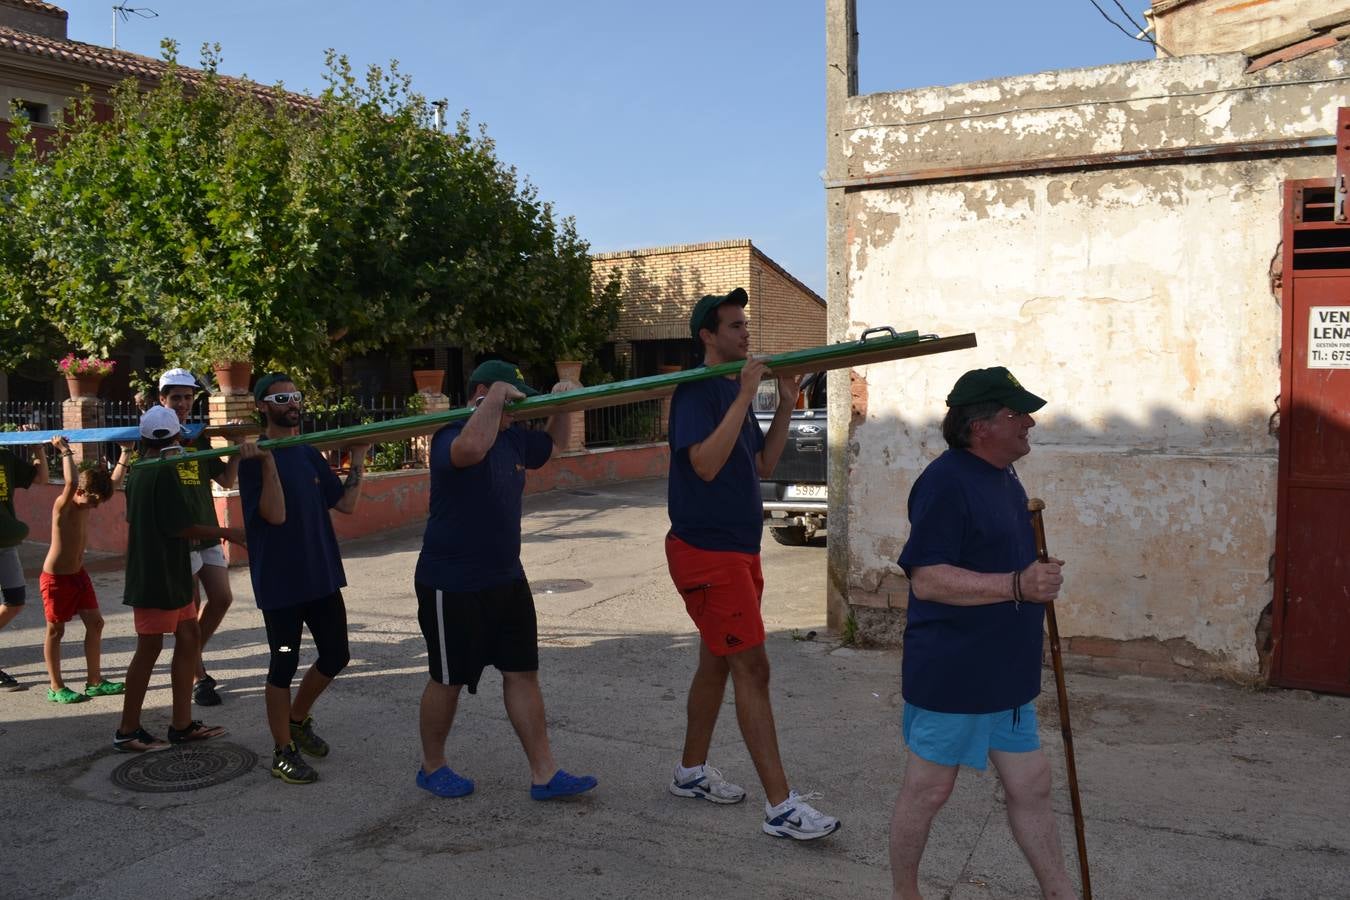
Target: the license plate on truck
pixel 805 491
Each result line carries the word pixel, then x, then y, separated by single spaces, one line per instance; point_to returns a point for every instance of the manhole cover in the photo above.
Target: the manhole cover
pixel 559 586
pixel 184 768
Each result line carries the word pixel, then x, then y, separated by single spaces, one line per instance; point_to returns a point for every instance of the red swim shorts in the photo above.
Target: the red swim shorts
pixel 65 595
pixel 163 621
pixel 722 590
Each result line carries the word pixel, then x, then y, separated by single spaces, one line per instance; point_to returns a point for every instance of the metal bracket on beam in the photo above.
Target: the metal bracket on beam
pixel 1342 163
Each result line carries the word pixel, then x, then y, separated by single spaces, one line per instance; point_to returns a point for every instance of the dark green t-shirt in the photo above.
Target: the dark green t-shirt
pixel 195 475
pixel 15 474
pixel 159 573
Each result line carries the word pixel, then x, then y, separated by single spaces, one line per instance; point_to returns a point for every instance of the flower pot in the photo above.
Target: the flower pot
pixel 83 385
pixel 569 372
pixel 428 381
pixel 233 377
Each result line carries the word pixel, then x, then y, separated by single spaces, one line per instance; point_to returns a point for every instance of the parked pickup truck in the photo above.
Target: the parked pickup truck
pixel 795 495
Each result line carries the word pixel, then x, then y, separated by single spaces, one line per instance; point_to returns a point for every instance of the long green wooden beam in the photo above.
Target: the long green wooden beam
pixel 867 350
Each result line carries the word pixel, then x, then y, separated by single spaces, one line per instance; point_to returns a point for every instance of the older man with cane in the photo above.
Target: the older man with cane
pixel 971 667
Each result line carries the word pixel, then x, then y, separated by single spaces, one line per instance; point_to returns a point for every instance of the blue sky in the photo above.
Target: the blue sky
pixel 650 123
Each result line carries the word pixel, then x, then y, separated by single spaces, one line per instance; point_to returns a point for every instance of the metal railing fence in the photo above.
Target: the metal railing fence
pixel 643 422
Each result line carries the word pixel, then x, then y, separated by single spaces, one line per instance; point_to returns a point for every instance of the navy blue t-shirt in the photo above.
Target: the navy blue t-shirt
pixel 472 539
pixel 727 512
pixel 297 561
pixel 967 513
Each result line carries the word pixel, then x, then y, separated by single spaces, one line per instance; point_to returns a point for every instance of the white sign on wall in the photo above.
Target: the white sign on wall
pixel 1329 337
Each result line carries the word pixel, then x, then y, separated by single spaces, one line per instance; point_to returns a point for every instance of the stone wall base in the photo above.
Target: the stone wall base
pixel 880 622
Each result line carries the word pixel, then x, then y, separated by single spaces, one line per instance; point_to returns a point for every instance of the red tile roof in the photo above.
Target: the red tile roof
pixel 36 7
pixel 116 65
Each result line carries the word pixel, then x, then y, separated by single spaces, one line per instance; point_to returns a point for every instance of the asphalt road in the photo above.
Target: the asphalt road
pixel 1191 790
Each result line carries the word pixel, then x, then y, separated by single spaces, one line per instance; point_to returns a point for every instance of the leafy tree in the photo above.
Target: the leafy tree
pixel 26 329
pixel 222 220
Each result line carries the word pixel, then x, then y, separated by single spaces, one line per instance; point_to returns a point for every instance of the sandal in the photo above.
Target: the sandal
pixel 195 731
pixel 104 688
pixel 138 741
pixel 64 694
pixel 562 784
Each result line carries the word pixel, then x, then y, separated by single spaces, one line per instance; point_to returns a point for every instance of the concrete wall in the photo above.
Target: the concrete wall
pixel 1220 26
pixel 1136 298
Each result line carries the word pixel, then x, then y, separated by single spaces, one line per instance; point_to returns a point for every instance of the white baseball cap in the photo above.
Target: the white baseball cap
pixel 177 378
pixel 160 422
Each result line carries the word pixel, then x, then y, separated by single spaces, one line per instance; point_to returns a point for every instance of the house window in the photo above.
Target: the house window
pixel 36 113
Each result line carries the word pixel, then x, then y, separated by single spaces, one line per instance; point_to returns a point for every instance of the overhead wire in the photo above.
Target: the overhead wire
pixel 1141 35
pixel 1128 18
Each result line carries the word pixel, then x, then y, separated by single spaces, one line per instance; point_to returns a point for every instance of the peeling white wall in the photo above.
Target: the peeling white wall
pixel 1136 300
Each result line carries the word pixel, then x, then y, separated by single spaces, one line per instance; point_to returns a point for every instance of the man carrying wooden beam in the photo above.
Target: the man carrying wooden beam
pixel 297 571
pixel 717 456
pixel 177 391
pixel 473 602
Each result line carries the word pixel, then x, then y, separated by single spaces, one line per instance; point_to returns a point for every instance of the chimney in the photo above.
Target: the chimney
pixel 34 17
pixel 1224 26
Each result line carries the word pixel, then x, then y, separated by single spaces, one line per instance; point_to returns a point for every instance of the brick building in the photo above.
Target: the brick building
pixel 662 284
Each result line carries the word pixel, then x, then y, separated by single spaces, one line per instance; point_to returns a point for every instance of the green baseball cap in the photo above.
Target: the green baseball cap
pixel 500 370
pixel 989 385
pixel 709 302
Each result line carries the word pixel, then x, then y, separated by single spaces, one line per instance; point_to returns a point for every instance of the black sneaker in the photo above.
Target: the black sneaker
pixel 138 741
pixel 303 736
pixel 8 682
pixel 204 693
pixel 195 731
pixel 290 766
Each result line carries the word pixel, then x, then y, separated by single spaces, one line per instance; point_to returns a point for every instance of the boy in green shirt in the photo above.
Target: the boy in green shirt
pixel 177 391
pixel 159 588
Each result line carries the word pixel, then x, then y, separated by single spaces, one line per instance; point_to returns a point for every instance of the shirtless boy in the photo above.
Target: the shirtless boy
pixel 66 588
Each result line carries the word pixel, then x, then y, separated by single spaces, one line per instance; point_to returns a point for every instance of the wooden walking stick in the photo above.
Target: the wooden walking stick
pixel 1035 505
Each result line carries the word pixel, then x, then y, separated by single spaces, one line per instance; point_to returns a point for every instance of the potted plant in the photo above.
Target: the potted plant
pixel 569 371
pixel 233 377
pixel 222 341
pixel 428 381
pixel 83 373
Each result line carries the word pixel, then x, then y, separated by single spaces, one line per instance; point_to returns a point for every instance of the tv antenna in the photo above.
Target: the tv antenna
pixel 126 12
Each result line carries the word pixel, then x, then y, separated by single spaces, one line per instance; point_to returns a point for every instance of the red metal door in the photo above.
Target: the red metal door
pixel 1312 562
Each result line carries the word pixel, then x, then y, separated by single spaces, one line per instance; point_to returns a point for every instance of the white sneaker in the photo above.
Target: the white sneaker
pixel 706 783
pixel 797 819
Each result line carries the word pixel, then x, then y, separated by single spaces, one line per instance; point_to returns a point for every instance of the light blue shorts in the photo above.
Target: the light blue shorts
pixel 960 739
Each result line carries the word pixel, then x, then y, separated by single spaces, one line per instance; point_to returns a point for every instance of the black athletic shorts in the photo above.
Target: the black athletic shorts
pixel 469 631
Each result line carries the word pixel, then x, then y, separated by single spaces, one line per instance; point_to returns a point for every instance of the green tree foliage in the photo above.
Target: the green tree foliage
pixel 221 220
